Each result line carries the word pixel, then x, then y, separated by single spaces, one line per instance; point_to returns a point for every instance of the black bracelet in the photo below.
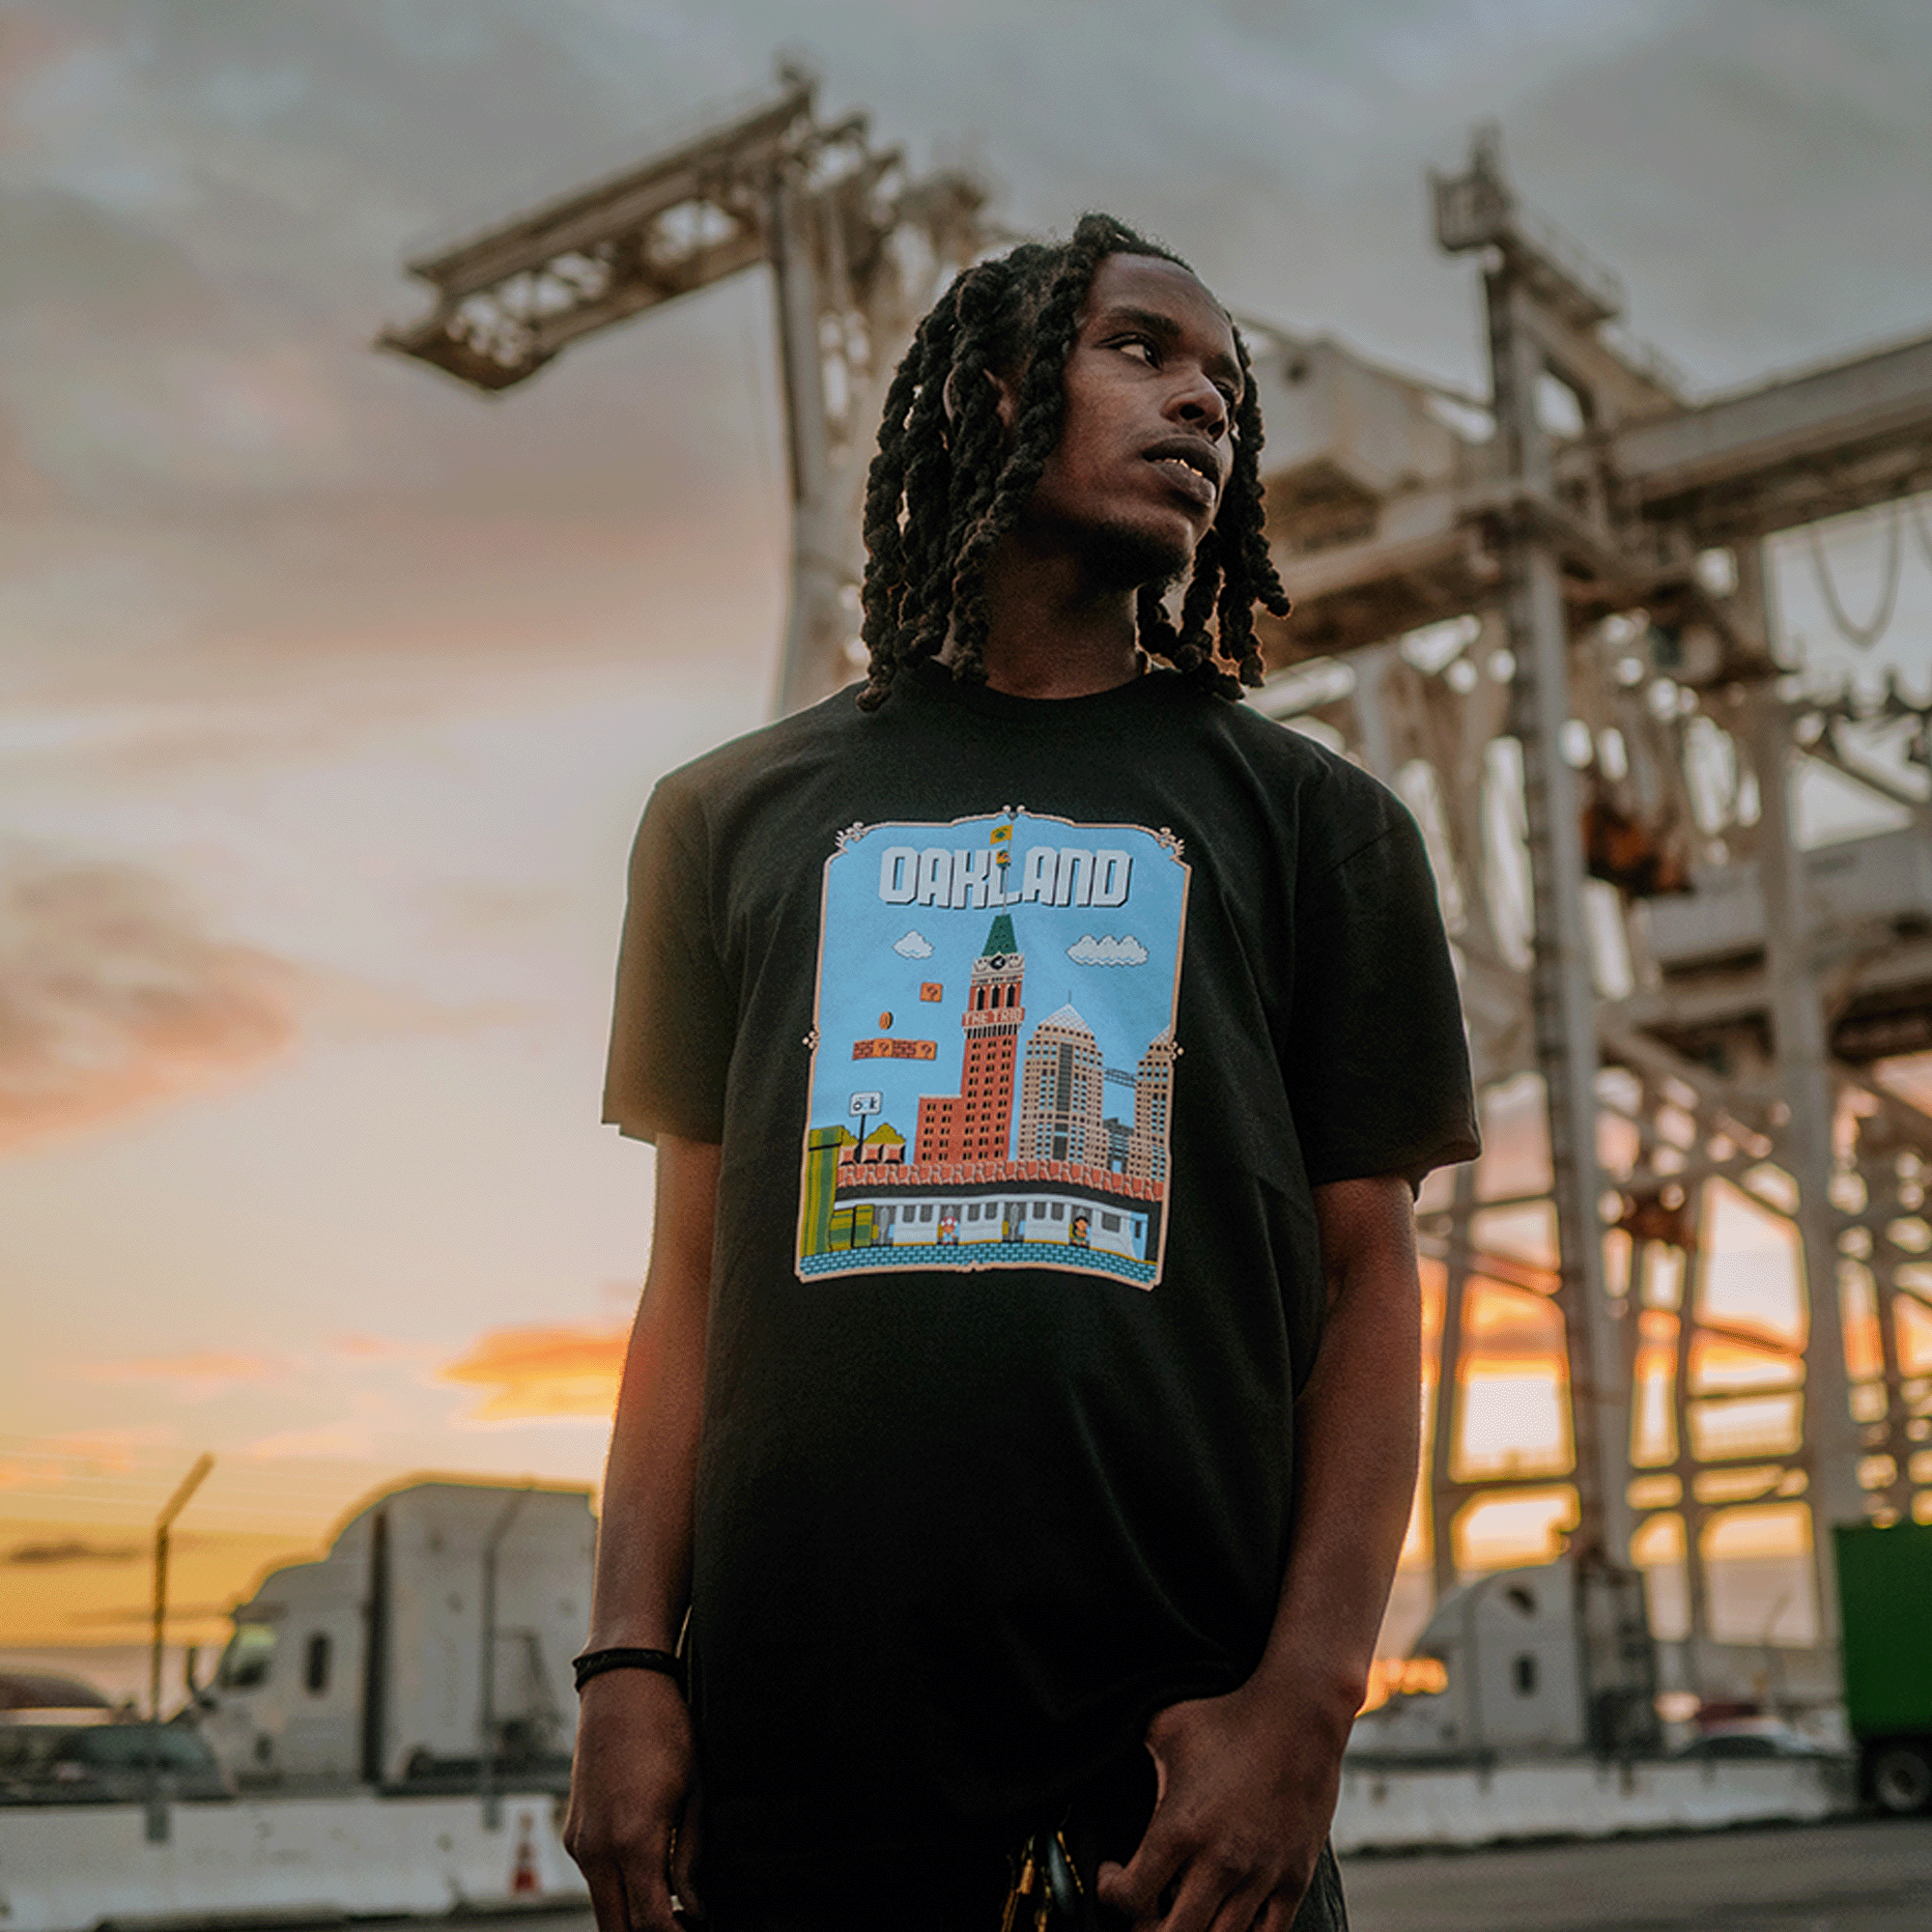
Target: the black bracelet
pixel 594 1663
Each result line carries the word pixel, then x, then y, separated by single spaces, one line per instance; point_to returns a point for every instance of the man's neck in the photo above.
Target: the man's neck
pixel 1051 632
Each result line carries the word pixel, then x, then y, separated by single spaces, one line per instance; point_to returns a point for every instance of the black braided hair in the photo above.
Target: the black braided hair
pixel 941 492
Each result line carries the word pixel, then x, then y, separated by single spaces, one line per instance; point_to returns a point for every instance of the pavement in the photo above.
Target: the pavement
pixel 1847 1875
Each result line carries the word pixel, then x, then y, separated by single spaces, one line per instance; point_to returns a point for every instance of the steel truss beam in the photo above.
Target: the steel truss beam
pixel 857 251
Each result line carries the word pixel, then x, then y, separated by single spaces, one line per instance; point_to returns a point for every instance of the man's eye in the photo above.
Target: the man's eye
pixel 1148 353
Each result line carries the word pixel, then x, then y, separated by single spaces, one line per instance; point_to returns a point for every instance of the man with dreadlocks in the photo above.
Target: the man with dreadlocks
pixel 1019 1425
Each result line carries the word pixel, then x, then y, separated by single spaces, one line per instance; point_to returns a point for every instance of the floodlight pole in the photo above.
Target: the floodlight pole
pixel 156 1824
pixel 175 1504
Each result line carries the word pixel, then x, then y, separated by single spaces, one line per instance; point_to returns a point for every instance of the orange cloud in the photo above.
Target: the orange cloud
pixel 1731 1362
pixel 114 998
pixel 1746 1356
pixel 65 1551
pixel 104 1451
pixel 1656 1344
pixel 1507 1331
pixel 535 1373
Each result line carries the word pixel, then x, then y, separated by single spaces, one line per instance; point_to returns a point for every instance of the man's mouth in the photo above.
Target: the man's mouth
pixel 1193 471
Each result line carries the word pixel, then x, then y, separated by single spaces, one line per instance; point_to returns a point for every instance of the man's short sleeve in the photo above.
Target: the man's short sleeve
pixel 1378 1063
pixel 675 1018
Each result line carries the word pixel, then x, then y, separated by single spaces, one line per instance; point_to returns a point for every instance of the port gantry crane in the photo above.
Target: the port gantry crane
pixel 1545 616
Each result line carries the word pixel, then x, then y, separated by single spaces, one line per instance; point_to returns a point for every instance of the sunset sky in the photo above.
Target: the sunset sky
pixel 331 692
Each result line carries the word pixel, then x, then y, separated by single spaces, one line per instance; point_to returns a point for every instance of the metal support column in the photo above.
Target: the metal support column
pixel 1444 1502
pixel 1563 995
pixel 1803 1058
pixel 818 622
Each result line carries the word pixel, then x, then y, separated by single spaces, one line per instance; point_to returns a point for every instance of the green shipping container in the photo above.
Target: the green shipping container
pixel 1885 1597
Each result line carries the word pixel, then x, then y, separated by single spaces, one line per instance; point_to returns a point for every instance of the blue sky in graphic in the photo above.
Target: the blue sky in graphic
pixel 866 973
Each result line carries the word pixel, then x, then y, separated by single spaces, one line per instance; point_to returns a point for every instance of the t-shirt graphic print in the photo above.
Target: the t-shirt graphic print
pixel 993 1049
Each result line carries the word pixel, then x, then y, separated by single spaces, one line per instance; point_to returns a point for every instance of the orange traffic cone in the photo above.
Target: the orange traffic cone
pixel 524 1878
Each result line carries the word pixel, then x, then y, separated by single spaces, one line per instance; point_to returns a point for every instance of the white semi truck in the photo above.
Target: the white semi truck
pixel 1513 1652
pixel 429 1651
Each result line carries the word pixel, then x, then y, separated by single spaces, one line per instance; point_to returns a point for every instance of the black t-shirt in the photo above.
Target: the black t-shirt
pixel 1027 1028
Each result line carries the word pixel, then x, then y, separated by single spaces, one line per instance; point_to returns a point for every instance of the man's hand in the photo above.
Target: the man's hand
pixel 632 1826
pixel 1247 1787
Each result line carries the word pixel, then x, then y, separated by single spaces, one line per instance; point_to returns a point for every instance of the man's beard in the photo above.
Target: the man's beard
pixel 1122 558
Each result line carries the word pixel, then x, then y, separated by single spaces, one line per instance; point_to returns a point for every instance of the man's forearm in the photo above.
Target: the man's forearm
pixel 643 1540
pixel 631 1824
pixel 1356 1443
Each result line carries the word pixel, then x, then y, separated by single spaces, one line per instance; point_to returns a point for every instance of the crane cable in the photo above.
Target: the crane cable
pixel 1864 636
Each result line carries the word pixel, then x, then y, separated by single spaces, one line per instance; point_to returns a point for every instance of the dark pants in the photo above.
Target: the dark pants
pixel 1105 1823
pixel 1322 1911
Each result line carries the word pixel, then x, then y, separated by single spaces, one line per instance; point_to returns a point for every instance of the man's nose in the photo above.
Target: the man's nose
pixel 1198 403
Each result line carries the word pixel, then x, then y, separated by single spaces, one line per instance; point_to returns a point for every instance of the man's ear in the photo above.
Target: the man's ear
pixel 1005 403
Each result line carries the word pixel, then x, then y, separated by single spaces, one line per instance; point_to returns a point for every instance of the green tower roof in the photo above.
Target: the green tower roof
pixel 1001 939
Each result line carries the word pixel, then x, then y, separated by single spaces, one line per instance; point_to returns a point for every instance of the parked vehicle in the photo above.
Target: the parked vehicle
pixel 29 1696
pixel 1885 1602
pixel 1754 1738
pixel 107 1764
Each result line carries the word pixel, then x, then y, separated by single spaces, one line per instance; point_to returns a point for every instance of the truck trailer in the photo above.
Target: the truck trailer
pixel 1884 1601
